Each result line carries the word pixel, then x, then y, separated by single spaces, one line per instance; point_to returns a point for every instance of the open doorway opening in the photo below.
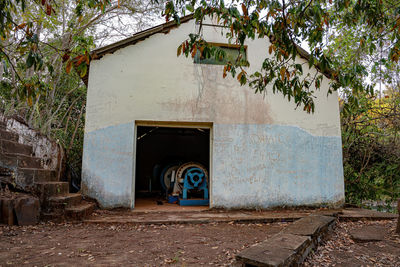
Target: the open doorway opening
pixel 172 168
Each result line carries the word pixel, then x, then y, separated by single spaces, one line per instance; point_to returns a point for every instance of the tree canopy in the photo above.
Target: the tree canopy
pixel 45 50
pixel 37 37
pixel 344 38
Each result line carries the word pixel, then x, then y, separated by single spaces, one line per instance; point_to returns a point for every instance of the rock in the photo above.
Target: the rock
pixel 21 209
pixel 368 234
pixel 7 211
pixel 27 210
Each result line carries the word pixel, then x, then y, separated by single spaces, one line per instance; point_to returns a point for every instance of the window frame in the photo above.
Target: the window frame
pixel 222 45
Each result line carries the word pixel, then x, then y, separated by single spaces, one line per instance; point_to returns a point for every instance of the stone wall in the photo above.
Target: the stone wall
pixel 48 150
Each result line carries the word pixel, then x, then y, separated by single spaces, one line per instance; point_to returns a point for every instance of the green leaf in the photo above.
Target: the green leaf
pixel 30 60
pixel 190 7
pixel 83 70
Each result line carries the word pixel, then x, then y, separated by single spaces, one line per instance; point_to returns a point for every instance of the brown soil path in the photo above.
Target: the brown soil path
pixel 129 245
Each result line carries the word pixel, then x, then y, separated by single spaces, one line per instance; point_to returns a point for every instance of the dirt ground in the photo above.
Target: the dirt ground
pixel 340 250
pixel 67 244
pixel 215 244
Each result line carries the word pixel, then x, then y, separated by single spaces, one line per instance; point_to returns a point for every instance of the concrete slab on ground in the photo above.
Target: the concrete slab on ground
pixel 279 250
pixel 288 248
pixel 266 256
pixel 368 233
pixel 309 226
pixel 356 214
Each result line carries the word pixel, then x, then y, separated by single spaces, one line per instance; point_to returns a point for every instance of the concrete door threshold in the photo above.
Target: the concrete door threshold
pixel 205 216
pixel 211 216
pixel 157 205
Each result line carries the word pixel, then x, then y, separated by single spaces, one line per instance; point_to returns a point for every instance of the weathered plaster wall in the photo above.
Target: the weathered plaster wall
pixel 43 147
pixel 273 165
pixel 147 81
pixel 108 165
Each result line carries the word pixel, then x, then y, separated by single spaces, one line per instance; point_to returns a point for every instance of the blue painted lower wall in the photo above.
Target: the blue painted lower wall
pixel 263 166
pixel 253 166
pixel 107 167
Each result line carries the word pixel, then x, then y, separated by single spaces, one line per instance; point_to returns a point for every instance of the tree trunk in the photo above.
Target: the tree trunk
pixel 398 218
pixel 76 128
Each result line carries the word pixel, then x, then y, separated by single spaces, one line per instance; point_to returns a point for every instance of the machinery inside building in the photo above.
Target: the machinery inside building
pixel 172 166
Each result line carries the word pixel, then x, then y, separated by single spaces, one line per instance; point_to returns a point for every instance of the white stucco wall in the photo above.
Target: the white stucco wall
pixel 265 153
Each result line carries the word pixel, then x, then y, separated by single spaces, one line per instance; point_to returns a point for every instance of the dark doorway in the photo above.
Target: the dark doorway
pixel 156 148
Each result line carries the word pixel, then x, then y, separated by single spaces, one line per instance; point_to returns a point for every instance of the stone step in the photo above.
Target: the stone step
pixel 21 161
pixel 29 162
pixel 10 136
pixel 38 175
pixel 64 201
pixel 49 189
pixel 6 176
pixel 5 171
pixel 26 178
pixel 8 161
pixel 10 147
pixel 52 216
pixel 80 211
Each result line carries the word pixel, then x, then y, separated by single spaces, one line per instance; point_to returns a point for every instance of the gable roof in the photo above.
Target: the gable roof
pixel 165 28
pixel 111 48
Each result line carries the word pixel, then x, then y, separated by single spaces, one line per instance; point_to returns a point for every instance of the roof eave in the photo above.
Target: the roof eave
pixel 111 48
pixel 165 28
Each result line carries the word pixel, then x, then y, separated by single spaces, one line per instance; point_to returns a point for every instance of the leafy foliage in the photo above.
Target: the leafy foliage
pixel 22 23
pixel 289 23
pixel 371 148
pixel 45 51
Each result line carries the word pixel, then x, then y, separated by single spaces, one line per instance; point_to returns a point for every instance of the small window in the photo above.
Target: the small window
pixel 231 54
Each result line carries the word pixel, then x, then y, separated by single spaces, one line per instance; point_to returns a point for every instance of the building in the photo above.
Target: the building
pixel 146 105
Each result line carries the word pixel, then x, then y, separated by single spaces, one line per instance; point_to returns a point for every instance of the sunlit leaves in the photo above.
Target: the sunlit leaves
pixel 370 146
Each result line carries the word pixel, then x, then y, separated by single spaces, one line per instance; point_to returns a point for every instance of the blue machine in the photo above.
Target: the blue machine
pixel 195 178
